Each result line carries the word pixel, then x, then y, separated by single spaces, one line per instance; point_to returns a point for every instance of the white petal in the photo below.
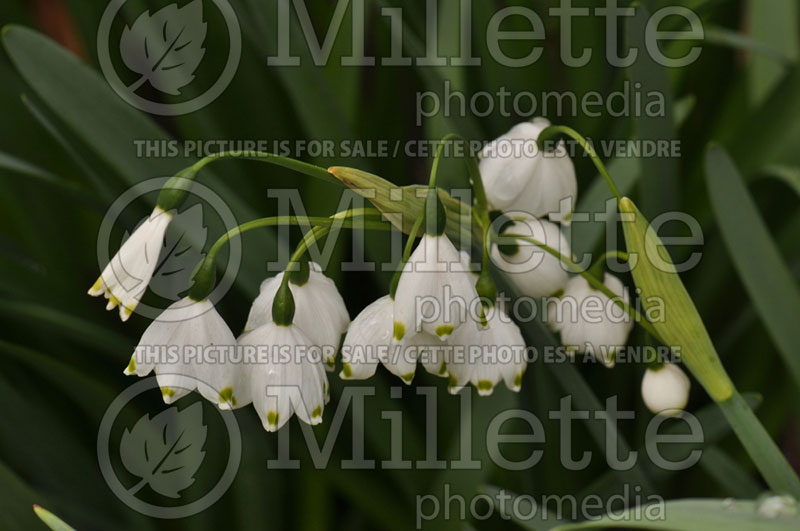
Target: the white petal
pixel 183 347
pixel 589 322
pixel 535 272
pixel 125 278
pixel 520 178
pixel 666 391
pixel 369 334
pixel 281 387
pixel 484 355
pixel 434 293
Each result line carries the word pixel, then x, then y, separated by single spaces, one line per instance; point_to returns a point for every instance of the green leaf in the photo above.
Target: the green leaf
pixel 537 335
pixel 656 277
pixel 755 256
pixel 16 165
pixel 787 174
pixel 100 120
pixel 403 205
pixel 50 520
pixel 503 500
pixel 660 191
pixel 728 473
pixel 775 24
pixel 691 515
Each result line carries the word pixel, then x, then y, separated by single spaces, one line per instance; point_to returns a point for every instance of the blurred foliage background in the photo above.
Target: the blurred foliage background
pixel 67 150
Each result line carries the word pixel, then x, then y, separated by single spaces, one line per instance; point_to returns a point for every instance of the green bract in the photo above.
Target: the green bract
pixel 655 274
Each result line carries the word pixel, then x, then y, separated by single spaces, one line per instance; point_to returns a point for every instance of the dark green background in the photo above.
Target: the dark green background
pixel 66 153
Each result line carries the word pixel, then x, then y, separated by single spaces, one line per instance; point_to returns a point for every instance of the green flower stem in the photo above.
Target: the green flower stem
pixel 204 276
pixel 597 269
pixel 481 202
pixel 554 130
pixel 406 253
pixel 174 191
pixel 302 167
pixel 320 230
pixel 594 282
pixel 412 236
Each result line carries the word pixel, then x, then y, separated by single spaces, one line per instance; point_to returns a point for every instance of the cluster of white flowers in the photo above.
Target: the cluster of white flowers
pixel 277 386
pixel 529 185
pixel 416 325
pixel 305 313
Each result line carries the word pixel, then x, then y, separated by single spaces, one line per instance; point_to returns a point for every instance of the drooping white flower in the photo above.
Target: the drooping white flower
pixel 435 291
pixel 369 341
pixel 590 322
pixel 289 378
pixel 485 354
pixel 665 390
pixel 320 310
pixel 534 271
pixel 125 278
pixel 517 176
pixel 189 346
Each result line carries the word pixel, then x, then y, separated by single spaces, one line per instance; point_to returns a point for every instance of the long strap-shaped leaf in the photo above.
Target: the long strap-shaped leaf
pixel 755 256
pixel 655 274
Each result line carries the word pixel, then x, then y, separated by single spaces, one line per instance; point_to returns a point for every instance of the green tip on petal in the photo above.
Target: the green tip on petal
pixel 399 330
pixel 518 380
pixel 226 396
pixel 330 362
pixel 167 392
pixel 444 330
pixel 317 412
pixel 443 369
pixel 131 368
pixel 272 418
pixel 347 370
pixel 451 381
pixel 485 386
pixel 408 378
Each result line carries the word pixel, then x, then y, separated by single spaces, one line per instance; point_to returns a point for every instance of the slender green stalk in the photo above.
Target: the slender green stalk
pixel 270 158
pixel 759 446
pixel 412 236
pixel 593 281
pixel 204 275
pixel 302 221
pixel 550 133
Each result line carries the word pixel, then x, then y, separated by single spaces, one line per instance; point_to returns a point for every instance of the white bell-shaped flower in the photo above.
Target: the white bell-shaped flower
pixel 590 322
pixel 191 347
pixel 125 278
pixel 435 290
pixel 483 355
pixel 369 341
pixel 289 377
pixel 518 176
pixel 320 310
pixel 534 271
pixel 665 390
